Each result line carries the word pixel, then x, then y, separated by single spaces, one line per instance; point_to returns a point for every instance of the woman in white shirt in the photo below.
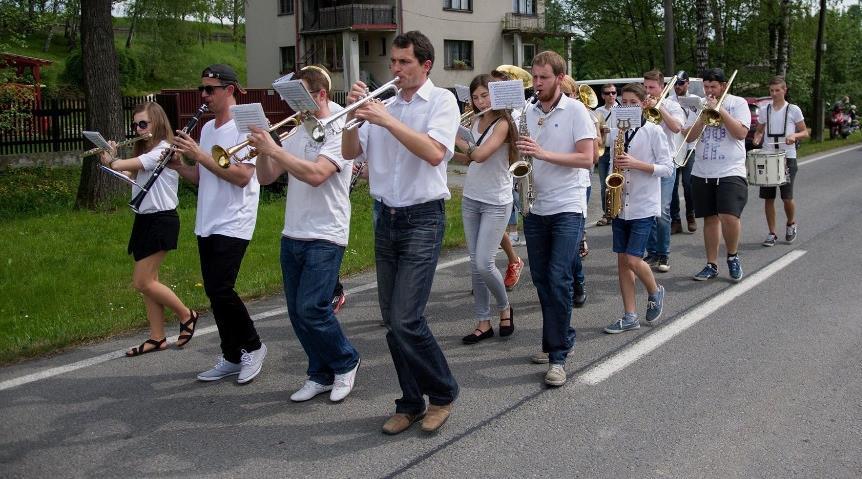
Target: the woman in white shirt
pixel 156 227
pixel 486 206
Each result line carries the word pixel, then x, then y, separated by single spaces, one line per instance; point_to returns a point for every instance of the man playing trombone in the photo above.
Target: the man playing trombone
pixel 718 183
pixel 316 226
pixel 408 146
pixel 226 216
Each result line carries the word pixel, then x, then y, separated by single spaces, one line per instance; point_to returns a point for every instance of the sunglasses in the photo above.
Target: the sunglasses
pixel 609 93
pixel 210 88
pixel 140 124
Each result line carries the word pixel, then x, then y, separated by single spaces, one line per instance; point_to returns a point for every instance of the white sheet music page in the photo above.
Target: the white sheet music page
pixel 463 93
pixel 248 115
pixel 96 138
pixel 692 103
pixel 466 135
pixel 625 117
pixel 506 95
pixel 295 94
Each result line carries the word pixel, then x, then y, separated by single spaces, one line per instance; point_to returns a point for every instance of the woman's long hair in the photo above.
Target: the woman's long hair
pixel 512 136
pixel 160 127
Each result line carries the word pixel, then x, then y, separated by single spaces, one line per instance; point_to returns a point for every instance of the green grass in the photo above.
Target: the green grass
pixel 810 147
pixel 65 277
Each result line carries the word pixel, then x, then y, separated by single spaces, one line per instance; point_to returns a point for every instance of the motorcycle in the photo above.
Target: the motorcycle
pixel 839 123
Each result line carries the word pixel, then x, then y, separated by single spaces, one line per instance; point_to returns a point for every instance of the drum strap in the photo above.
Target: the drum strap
pixel 783 134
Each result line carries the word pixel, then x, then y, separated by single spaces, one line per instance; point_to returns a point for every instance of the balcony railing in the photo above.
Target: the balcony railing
pixel 347 16
pixel 518 22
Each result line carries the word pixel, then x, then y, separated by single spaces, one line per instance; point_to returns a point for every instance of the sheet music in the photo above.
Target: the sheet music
pixel 691 103
pixel 96 138
pixel 466 135
pixel 463 93
pixel 248 115
pixel 295 94
pixel 506 95
pixel 630 115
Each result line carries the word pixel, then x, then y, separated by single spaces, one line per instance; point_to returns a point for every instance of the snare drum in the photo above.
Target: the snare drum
pixel 766 168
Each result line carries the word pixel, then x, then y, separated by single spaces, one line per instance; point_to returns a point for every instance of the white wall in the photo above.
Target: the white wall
pixel 266 32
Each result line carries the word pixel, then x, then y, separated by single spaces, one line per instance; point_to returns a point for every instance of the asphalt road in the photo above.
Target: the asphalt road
pixel 755 379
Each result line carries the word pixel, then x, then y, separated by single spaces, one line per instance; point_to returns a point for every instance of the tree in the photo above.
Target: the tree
pixel 104 103
pixel 702 54
pixel 669 61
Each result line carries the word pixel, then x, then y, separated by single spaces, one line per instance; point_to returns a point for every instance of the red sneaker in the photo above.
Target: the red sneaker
pixel 338 302
pixel 513 274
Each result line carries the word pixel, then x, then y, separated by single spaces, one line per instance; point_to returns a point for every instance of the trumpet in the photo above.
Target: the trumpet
pixel 96 151
pixel 467 116
pixel 225 156
pixel 709 116
pixel 327 124
pixel 653 115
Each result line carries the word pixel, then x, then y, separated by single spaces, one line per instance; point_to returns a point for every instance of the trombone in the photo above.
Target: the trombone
pixel 97 150
pixel 653 115
pixel 709 116
pixel 225 156
pixel 327 124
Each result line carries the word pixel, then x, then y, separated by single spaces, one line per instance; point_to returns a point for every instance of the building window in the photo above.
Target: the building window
pixel 382 46
pixel 525 7
pixel 288 59
pixel 459 54
pixel 326 50
pixel 529 53
pixel 461 5
pixel 285 7
pixel 366 48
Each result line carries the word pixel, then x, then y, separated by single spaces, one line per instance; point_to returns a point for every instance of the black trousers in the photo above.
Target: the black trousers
pixel 221 257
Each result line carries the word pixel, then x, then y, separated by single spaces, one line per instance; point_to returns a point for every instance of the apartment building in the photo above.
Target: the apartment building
pixel 352 38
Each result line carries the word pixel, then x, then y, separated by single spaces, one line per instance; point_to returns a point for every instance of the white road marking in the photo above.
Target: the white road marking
pixel 828 155
pixel 650 342
pixel 55 371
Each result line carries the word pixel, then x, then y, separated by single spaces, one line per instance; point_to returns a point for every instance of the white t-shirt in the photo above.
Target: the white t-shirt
pixel 676 111
pixel 397 177
pixel 720 155
pixel 641 190
pixel 490 181
pixel 690 118
pixel 224 208
pixel 558 188
pixel 776 118
pixel 319 212
pixel 163 194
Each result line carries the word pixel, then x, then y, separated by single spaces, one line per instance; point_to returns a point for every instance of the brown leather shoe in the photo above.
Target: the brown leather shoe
pixel 692 224
pixel 436 416
pixel 675 227
pixel 399 422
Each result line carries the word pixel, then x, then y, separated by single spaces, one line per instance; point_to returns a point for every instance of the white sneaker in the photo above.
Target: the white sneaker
pixel 309 390
pixel 343 384
pixel 222 369
pixel 556 375
pixel 251 363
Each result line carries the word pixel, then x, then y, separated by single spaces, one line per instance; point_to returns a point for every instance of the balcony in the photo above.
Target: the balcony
pixel 521 23
pixel 350 17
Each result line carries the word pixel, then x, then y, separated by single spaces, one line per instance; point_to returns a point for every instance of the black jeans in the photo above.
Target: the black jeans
pixel 221 257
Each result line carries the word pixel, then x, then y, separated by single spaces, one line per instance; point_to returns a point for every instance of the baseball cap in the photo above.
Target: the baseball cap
pixel 223 73
pixel 681 77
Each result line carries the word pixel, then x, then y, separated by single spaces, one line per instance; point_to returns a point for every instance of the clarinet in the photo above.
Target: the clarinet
pixel 355 177
pixel 166 157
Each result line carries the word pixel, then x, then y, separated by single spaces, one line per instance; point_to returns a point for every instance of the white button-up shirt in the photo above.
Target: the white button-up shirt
pixel 559 189
pixel 676 111
pixel 641 190
pixel 398 177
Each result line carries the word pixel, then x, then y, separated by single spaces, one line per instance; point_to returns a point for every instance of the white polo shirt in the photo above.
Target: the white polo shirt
pixel 397 177
pixel 559 189
pixel 163 194
pixel 319 212
pixel 781 122
pixel 641 190
pixel 224 208
pixel 720 155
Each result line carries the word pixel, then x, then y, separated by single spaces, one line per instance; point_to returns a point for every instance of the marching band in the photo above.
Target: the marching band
pixel 546 150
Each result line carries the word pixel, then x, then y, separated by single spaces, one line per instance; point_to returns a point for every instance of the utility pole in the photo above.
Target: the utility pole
pixel 669 61
pixel 817 127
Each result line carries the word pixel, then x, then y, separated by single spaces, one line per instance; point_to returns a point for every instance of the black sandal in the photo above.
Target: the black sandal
pixel 187 329
pixel 508 330
pixel 156 346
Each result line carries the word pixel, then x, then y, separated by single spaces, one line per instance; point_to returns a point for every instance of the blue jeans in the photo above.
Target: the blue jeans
pixel 310 272
pixel 604 167
pixel 552 244
pixel 685 174
pixel 659 240
pixel 407 245
pixel 484 224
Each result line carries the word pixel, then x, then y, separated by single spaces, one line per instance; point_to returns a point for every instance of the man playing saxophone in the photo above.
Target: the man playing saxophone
pixel 643 157
pixel 561 143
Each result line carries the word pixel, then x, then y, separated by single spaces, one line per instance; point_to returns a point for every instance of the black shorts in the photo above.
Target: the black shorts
pixel 768 192
pixel 154 232
pixel 715 196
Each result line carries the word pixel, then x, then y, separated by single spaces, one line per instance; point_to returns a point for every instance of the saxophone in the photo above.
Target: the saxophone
pixel 522 170
pixel 615 181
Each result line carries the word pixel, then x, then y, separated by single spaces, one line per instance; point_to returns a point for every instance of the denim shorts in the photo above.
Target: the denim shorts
pixel 631 236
